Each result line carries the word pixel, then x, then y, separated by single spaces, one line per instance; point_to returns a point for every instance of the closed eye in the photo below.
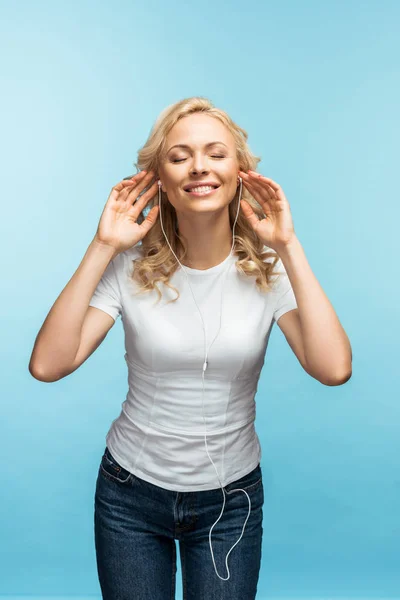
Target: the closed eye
pixel 177 160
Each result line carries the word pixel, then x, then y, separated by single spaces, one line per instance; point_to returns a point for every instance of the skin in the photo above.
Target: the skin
pixel 202 222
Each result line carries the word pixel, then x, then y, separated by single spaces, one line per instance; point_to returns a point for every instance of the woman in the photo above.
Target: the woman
pixel 182 460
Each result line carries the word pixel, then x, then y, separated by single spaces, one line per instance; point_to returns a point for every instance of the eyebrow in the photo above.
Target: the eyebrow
pixel 205 146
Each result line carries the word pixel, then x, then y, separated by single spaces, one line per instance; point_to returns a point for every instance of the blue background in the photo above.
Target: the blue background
pixel 316 86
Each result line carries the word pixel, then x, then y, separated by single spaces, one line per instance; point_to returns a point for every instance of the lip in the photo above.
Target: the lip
pixel 202 194
pixel 193 184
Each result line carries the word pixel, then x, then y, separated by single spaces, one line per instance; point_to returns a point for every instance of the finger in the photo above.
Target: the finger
pixel 138 205
pixel 259 195
pixel 122 185
pixel 142 183
pixel 130 177
pixel 133 179
pixel 150 219
pixel 276 190
pixel 262 196
pixel 135 187
pixel 261 185
pixel 249 213
pixel 275 186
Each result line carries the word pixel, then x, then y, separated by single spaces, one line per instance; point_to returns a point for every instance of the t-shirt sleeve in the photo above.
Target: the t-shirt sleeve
pixel 285 299
pixel 107 295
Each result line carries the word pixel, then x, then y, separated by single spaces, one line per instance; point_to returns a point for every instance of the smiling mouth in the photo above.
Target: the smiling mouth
pixel 207 191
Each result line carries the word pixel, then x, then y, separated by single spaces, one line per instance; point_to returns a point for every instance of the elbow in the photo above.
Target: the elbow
pixel 339 379
pixel 40 375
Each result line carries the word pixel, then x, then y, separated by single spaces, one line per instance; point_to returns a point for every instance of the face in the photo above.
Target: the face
pixel 209 156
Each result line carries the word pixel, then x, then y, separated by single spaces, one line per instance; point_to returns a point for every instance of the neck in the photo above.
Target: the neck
pixel 208 244
pixel 207 251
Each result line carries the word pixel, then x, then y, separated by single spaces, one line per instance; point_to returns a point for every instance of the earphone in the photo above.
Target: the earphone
pixel 205 365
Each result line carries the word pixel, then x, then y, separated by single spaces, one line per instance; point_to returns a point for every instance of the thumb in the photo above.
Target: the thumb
pixel 150 219
pixel 249 213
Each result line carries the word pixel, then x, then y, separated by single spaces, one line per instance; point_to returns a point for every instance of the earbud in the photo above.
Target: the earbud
pixel 159 183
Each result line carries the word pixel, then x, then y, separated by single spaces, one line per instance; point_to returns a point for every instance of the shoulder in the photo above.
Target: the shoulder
pixel 271 254
pixel 124 259
pixel 278 278
pixel 134 252
pixel 121 265
pixel 279 271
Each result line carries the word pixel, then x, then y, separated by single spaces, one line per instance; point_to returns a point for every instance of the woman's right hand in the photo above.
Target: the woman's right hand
pixel 117 226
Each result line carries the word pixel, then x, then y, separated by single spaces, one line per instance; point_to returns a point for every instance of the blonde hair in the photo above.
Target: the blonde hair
pixel 158 263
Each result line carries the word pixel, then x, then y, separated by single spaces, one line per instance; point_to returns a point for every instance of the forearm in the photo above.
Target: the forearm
pixel 58 340
pixel 326 346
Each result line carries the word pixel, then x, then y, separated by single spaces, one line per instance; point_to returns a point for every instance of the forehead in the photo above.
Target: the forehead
pixel 199 129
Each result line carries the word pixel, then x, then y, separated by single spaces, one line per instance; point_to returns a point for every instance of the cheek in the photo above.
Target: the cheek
pixel 175 181
pixel 231 174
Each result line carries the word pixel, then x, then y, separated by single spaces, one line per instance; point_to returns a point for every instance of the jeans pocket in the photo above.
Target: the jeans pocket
pixel 111 469
pixel 250 481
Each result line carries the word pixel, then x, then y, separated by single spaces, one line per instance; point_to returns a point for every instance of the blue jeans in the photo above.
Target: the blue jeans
pixel 137 523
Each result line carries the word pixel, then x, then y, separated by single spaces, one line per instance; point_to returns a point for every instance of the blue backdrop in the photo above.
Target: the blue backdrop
pixel 316 85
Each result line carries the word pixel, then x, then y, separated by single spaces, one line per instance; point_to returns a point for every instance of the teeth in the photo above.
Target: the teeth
pixel 203 188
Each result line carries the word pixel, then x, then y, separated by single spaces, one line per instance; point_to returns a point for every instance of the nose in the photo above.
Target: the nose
pixel 199 165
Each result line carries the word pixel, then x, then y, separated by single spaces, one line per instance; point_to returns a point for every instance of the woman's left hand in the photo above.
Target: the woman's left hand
pixel 276 230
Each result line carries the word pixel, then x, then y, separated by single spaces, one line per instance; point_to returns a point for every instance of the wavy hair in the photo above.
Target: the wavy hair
pixel 158 263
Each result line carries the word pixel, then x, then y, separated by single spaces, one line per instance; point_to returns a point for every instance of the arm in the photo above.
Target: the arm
pixel 325 346
pixel 58 341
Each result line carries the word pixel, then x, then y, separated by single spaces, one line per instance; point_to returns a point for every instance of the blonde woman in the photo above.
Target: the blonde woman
pixel 198 283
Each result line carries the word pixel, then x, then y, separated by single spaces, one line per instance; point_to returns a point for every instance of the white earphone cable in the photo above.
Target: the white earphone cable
pixel 205 365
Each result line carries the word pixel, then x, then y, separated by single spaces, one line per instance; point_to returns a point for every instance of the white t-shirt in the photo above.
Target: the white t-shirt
pixel 160 433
